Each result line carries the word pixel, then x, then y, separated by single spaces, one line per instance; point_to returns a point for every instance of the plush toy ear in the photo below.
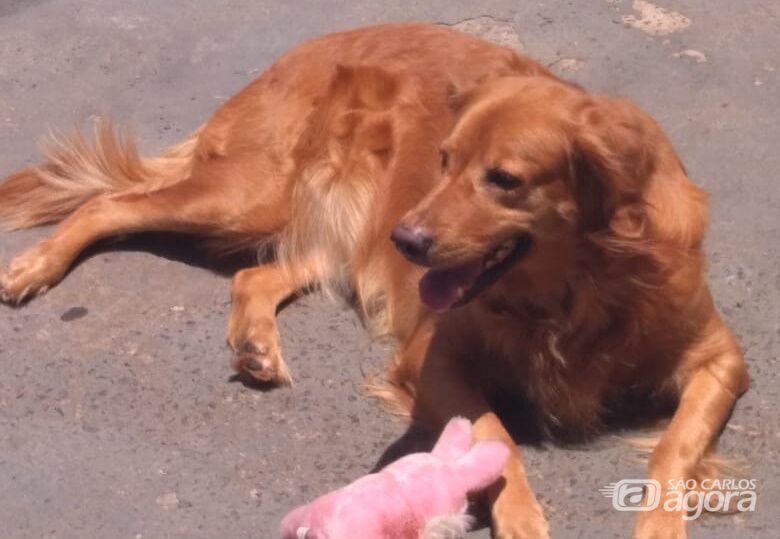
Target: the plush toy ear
pixel 482 465
pixel 306 533
pixel 455 440
pixel 293 523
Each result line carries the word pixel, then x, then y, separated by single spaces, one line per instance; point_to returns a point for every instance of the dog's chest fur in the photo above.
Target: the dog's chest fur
pixel 540 360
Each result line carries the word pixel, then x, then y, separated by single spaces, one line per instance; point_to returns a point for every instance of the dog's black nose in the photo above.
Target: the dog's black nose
pixel 414 243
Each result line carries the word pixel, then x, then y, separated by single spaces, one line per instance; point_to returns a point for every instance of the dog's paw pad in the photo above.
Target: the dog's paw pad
pixel 262 363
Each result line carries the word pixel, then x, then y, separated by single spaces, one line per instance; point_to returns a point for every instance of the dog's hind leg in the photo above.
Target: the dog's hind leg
pixel 195 206
pixel 252 332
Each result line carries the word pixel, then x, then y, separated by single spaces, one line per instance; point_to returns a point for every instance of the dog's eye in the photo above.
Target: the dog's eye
pixel 445 160
pixel 503 179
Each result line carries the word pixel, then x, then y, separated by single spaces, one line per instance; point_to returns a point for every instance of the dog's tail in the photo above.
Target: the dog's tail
pixel 77 170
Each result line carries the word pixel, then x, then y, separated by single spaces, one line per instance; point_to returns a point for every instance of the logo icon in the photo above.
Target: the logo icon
pixel 633 494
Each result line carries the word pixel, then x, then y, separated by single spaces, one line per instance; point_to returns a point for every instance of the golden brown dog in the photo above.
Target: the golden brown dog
pixel 551 240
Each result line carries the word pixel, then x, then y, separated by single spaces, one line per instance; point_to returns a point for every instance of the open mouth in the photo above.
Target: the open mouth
pixel 445 288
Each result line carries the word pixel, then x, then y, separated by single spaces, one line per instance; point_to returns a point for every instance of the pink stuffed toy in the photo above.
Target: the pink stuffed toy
pixel 420 496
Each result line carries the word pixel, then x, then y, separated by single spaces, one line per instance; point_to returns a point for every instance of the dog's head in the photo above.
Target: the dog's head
pixel 533 169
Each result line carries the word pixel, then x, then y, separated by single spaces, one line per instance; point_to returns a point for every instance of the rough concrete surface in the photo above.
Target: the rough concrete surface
pixel 118 417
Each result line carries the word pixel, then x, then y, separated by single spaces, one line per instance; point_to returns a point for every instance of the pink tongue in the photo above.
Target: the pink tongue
pixel 439 288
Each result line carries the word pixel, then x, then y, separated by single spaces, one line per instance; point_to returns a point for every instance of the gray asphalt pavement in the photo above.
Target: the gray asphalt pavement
pixel 118 416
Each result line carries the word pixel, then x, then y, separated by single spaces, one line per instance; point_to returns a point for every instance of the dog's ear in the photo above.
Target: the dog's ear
pixel 612 159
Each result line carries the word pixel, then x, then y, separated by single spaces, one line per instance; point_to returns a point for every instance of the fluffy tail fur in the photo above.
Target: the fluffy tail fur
pixel 77 170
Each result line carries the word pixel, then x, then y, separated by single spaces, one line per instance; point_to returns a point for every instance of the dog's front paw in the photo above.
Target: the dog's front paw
pixel 261 362
pixel 660 524
pixel 258 354
pixel 30 274
pixel 519 519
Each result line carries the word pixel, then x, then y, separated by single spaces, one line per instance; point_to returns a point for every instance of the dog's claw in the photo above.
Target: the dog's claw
pixel 5 295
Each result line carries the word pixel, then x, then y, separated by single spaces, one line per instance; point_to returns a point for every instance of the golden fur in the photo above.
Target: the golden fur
pixel 337 145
